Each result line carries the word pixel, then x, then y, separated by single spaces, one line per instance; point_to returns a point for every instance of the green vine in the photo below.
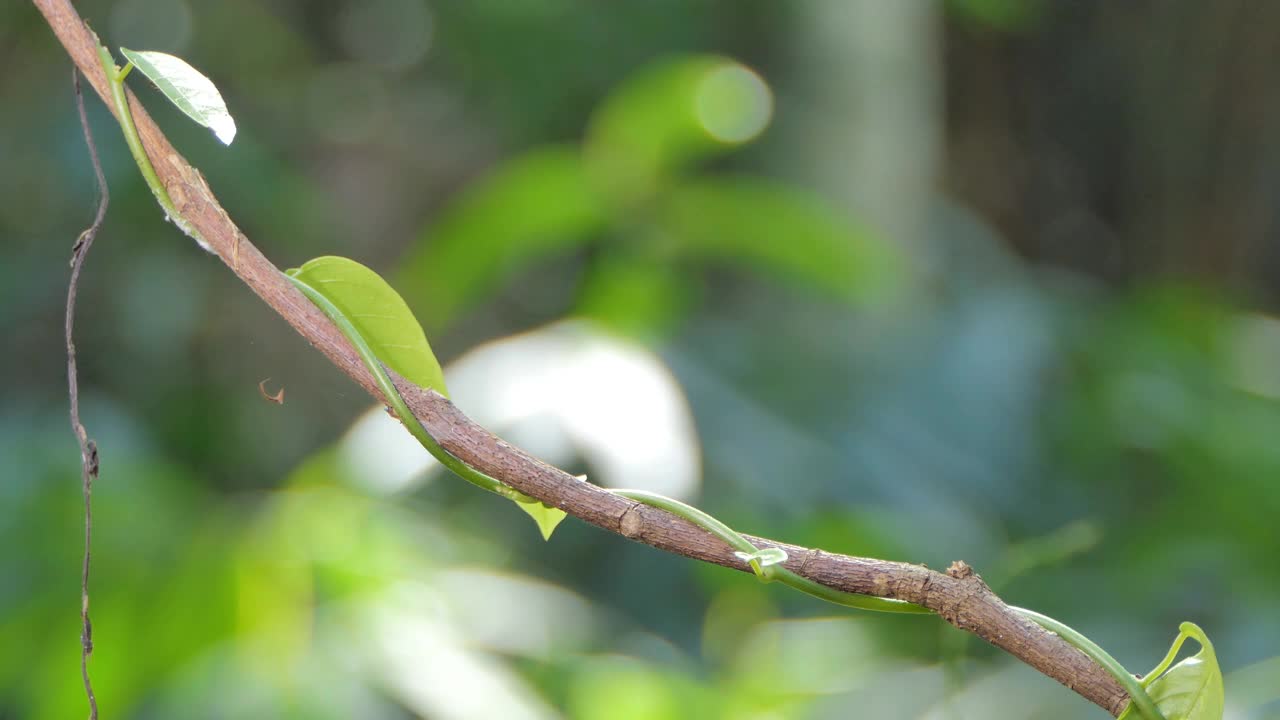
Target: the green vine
pixel 768 567
pixel 397 403
pixel 120 99
pixel 1137 691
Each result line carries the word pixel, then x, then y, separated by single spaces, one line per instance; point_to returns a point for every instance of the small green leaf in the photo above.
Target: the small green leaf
pixel 378 323
pixel 1190 690
pixel 193 93
pixel 765 556
pixel 380 314
pixel 546 516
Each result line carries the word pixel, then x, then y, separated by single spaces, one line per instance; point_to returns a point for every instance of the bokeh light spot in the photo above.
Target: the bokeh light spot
pixel 393 34
pixel 345 104
pixel 163 25
pixel 1254 343
pixel 733 103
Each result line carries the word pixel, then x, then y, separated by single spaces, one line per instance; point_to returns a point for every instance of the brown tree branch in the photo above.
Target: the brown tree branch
pixel 959 596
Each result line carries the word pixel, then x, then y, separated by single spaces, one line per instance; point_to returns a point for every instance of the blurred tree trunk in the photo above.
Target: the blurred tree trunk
pixel 871 144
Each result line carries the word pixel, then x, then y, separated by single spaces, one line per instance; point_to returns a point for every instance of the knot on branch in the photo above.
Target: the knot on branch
pixel 962 601
pixel 630 525
pixel 89 458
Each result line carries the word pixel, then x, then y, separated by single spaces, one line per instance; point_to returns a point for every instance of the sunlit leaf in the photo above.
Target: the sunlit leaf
pixel 778 230
pixel 546 516
pixel 670 115
pixel 1190 690
pixel 193 93
pixel 535 205
pixel 379 313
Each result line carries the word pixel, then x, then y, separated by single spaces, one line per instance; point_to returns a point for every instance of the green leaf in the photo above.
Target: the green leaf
pixel 379 323
pixel 380 314
pixel 535 205
pixel 1190 690
pixel 546 516
pixel 193 93
pixel 639 296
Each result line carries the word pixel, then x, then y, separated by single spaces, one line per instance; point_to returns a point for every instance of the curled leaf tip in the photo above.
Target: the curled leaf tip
pixel 1193 688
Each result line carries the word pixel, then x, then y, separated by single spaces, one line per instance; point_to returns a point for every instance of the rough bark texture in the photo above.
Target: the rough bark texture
pixel 958 596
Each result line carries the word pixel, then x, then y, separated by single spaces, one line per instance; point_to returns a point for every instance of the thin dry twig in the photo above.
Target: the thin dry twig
pixel 277 398
pixel 88 448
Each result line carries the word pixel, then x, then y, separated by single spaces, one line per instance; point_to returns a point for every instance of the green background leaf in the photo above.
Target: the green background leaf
pixel 380 314
pixel 537 204
pixel 781 231
pixel 187 88
pixel 662 120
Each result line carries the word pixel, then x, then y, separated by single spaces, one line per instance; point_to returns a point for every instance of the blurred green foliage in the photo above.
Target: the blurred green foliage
pixel 1071 382
pixel 628 193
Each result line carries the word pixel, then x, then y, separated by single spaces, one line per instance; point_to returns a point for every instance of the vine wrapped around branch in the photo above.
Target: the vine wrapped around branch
pixel 959 596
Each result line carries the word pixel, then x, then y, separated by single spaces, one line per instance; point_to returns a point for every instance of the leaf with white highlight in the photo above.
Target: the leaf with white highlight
pixel 192 92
